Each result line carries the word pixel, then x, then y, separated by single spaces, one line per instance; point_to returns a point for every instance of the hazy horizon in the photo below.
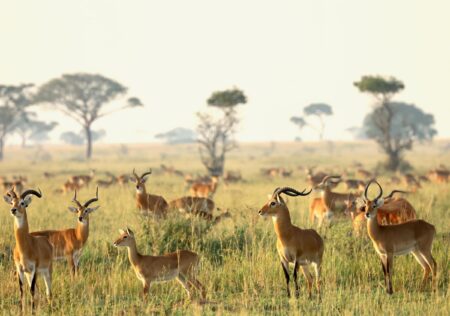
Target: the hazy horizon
pixel 283 55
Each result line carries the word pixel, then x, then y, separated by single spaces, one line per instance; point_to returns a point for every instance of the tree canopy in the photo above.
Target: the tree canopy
pixel 227 98
pixel 380 87
pixel 84 97
pixel 318 109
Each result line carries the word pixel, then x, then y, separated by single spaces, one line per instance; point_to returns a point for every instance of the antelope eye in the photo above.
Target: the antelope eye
pixel 22 203
pixel 125 237
pixel 272 204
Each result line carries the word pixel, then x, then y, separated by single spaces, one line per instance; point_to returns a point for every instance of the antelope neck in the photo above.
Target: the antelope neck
pixel 133 254
pixel 282 224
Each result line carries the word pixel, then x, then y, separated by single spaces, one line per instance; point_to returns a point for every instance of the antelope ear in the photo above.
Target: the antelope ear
pixel 92 209
pixel 121 231
pixel 27 200
pixel 73 209
pixel 7 199
pixel 144 179
pixel 133 179
pixel 130 232
pixel 380 202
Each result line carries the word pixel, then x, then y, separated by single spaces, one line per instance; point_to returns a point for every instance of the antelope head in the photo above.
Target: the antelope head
pixel 328 182
pixel 125 238
pixel 140 180
pixel 83 210
pixel 20 203
pixel 371 206
pixel 276 204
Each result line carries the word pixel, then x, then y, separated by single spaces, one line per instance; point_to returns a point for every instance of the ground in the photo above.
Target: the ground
pixel 239 265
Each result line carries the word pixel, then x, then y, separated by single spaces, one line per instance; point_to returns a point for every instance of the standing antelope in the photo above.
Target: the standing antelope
pixel 205 190
pixel 414 237
pixel 32 254
pixel 180 265
pixel 302 247
pixel 202 207
pixel 324 207
pixel 148 203
pixel 69 243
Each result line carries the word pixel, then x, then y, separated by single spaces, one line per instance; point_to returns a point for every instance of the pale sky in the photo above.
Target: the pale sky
pixel 283 54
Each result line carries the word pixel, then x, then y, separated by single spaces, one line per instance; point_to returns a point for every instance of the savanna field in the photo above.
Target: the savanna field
pixel 239 267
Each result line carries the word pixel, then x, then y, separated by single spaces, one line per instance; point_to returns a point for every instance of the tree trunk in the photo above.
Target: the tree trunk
pixel 88 131
pixel 1 148
pixel 394 160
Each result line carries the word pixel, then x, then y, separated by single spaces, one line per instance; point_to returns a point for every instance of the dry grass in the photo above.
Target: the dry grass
pixel 240 267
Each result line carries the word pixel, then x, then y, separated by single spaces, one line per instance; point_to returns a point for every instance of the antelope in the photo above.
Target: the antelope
pixel 394 211
pixel 301 247
pixel 414 237
pixel 148 203
pixel 83 180
pixel 314 179
pixel 180 265
pixel 354 184
pixel 232 177
pixel 32 254
pixel 333 199
pixel 363 173
pixel 171 170
pixel 439 175
pixel 69 243
pixel 107 183
pixel 202 207
pixel 411 182
pixel 123 179
pixel 205 190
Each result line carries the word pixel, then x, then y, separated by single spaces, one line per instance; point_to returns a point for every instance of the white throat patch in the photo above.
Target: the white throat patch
pixel 19 221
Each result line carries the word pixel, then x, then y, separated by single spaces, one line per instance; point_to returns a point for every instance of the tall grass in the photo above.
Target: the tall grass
pixel 239 265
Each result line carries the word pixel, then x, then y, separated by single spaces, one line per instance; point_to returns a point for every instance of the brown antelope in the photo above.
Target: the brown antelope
pixel 411 182
pixel 84 179
pixel 394 211
pixel 148 203
pixel 301 247
pixel 414 237
pixel 202 207
pixel 123 179
pixel 171 171
pixel 323 208
pixel 314 178
pixel 180 265
pixel 32 254
pixel 363 173
pixel 232 177
pixel 439 175
pixel 353 184
pixel 68 243
pixel 205 190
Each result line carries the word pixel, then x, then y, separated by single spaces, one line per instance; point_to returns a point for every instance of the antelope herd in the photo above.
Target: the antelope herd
pixel 391 223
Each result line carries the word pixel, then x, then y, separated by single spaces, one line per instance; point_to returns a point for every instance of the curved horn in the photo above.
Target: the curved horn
pixel 33 192
pixel 395 191
pixel 367 189
pixel 146 173
pixel 135 174
pixel 74 200
pixel 293 192
pixel 326 178
pixel 92 200
pixel 381 190
pixel 275 192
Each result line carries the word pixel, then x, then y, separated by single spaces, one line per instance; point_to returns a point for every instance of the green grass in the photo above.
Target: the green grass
pixel 239 265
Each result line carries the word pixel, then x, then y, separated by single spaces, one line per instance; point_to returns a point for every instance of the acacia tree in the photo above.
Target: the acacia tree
pixel 215 135
pixel 394 126
pixel 319 110
pixel 84 97
pixel 13 101
pixel 29 128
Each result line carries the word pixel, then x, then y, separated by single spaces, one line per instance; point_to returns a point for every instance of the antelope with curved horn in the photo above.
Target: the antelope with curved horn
pixel 324 207
pixel 301 247
pixel 148 203
pixel 414 237
pixel 180 265
pixel 32 254
pixel 68 243
pixel 394 211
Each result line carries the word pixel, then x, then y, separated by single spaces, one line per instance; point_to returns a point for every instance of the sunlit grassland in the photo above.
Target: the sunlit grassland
pixel 239 266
